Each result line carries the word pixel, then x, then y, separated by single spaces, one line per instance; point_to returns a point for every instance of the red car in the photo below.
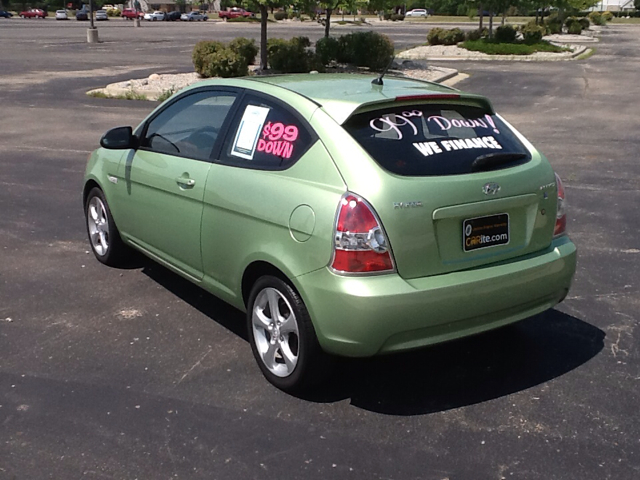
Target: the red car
pixel 130 14
pixel 234 13
pixel 33 13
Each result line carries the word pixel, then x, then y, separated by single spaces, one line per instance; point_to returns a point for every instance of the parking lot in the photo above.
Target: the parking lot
pixel 136 373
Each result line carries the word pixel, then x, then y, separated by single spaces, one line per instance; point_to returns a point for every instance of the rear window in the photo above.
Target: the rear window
pixel 433 140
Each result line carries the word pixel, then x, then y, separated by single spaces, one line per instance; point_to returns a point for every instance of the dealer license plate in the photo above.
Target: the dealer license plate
pixel 483 232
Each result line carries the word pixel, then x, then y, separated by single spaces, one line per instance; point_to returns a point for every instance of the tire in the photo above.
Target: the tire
pixel 287 351
pixel 104 237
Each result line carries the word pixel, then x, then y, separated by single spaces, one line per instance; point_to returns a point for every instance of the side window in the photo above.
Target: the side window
pixel 266 135
pixel 190 126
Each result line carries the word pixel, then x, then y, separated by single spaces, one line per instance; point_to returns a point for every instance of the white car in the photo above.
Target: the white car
pixel 193 16
pixel 152 17
pixel 101 15
pixel 61 15
pixel 417 12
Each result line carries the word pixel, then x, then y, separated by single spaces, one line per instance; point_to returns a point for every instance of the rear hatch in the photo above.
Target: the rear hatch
pixel 454 185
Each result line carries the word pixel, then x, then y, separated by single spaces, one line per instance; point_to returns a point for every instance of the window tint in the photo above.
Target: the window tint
pixel 265 135
pixel 189 127
pixel 430 140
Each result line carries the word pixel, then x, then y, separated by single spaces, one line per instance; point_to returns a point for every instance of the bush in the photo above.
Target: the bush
pixel 607 16
pixel 596 18
pixel 202 50
pixel 476 34
pixel 397 17
pixel 327 50
pixel 224 63
pixel 440 36
pixel 113 12
pixel 435 35
pixel 386 16
pixel 554 26
pixel 585 23
pixel 574 28
pixel 291 56
pixel 532 33
pixel 366 49
pixel 506 34
pixel 280 15
pixel 246 48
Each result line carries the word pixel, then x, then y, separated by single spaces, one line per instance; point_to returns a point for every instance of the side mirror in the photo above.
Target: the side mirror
pixel 119 138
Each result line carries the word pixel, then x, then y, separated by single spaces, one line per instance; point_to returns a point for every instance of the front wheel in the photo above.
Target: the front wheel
pixel 282 337
pixel 104 237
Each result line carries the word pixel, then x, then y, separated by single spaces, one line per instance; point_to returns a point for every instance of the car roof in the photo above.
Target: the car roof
pixel 342 94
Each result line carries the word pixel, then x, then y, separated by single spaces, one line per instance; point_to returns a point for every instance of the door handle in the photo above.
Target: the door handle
pixel 185 182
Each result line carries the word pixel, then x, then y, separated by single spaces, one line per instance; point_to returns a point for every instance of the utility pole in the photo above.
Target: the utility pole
pixel 92 31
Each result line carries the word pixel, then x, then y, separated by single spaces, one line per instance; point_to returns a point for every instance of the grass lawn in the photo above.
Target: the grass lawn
pixel 492 47
pixel 465 19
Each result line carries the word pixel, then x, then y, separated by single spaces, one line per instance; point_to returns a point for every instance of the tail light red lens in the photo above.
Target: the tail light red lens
pixel 360 244
pixel 561 215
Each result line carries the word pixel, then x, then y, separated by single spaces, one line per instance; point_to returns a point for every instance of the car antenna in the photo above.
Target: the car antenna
pixel 378 81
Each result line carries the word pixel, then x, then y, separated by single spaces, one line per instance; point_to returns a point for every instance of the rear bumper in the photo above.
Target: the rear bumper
pixel 364 316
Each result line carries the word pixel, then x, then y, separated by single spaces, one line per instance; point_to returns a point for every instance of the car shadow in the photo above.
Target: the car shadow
pixel 437 378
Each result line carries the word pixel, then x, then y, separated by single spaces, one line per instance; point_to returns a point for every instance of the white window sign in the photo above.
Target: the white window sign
pixel 244 145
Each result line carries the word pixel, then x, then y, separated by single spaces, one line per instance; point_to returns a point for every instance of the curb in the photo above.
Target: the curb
pixel 501 58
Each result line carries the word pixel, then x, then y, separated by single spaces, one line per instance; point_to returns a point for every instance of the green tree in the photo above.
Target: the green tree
pixel 263 7
pixel 329 6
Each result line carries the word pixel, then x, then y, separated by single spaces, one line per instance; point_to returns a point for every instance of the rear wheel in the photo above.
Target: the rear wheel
pixel 282 337
pixel 104 237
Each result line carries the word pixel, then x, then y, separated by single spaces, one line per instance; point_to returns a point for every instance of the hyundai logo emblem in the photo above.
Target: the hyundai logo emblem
pixel 491 188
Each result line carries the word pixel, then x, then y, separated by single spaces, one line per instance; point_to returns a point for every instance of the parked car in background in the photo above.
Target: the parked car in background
pixel 173 16
pixel 101 15
pixel 417 12
pixel 343 219
pixel 5 14
pixel 131 13
pixel 235 12
pixel 33 13
pixel 154 16
pixel 61 15
pixel 82 14
pixel 193 16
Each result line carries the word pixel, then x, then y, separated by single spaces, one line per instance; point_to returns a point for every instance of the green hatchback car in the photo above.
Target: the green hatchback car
pixel 345 217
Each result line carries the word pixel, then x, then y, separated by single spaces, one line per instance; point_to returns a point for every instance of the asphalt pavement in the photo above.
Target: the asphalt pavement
pixel 136 373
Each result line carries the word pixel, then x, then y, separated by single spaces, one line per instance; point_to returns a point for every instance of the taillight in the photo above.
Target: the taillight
pixel 561 215
pixel 360 244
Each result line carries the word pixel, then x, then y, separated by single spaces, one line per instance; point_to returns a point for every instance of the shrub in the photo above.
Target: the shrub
pixel 554 26
pixel 607 16
pixel 440 36
pixel 397 17
pixel 246 48
pixel 596 18
pixel 476 34
pixel 113 12
pixel 533 33
pixel 224 63
pixel 585 23
pixel 506 34
pixel 202 50
pixel 327 50
pixel 366 49
pixel 291 56
pixel 280 15
pixel 435 35
pixel 574 28
pixel 386 16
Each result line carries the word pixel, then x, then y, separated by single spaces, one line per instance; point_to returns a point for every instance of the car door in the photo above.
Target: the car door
pixel 164 179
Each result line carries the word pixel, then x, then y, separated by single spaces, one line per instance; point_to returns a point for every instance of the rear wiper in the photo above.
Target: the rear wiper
pixel 493 161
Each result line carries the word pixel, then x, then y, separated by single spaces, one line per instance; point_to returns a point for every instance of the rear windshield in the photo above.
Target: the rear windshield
pixel 432 140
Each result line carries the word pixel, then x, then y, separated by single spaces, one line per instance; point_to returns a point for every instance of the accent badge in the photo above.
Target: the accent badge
pixel 490 188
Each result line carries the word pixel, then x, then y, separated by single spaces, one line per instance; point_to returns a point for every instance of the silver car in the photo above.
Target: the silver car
pixel 102 15
pixel 193 16
pixel 417 12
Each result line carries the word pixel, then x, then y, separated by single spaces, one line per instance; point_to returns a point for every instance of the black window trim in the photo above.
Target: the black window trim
pixel 215 151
